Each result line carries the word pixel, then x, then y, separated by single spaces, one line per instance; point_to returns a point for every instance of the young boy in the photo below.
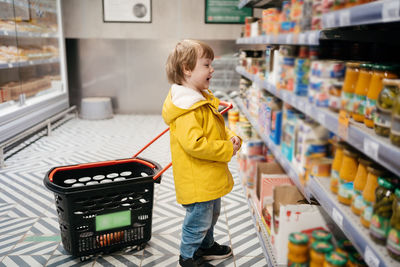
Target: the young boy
pixel 201 147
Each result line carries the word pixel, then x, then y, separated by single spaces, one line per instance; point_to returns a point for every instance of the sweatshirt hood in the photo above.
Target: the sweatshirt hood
pixel 181 100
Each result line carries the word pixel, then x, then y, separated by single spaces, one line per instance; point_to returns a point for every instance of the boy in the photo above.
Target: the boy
pixel 201 147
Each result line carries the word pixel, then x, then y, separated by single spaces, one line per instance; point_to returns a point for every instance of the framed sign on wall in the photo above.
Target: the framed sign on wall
pixel 226 12
pixel 127 11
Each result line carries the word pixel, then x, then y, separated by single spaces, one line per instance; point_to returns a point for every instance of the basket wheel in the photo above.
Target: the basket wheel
pixel 141 246
pixel 85 258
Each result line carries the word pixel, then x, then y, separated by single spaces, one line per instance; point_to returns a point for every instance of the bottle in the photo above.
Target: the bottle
pixel 348 168
pixel 386 98
pixel 298 249
pixel 393 240
pixel 379 72
pixel 361 91
pixel 382 211
pixel 395 125
pixel 359 184
pixel 318 251
pixel 337 163
pixel 349 86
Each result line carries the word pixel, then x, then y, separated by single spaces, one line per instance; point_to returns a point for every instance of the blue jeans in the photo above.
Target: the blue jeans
pixel 198 226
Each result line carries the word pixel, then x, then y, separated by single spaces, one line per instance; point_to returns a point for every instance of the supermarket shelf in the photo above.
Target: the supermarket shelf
pixel 259 3
pixel 358 135
pixel 28 63
pixel 375 12
pixel 305 38
pixel 373 254
pixel 276 150
pixel 261 231
pixel 28 34
pixel 27 5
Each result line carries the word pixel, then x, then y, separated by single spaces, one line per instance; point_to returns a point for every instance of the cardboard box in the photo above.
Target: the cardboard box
pixel 270 168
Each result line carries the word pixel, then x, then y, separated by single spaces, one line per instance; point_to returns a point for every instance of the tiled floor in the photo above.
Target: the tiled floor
pixel 29 233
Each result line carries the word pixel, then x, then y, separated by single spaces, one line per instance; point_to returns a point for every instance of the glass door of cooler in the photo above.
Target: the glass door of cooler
pixel 32 64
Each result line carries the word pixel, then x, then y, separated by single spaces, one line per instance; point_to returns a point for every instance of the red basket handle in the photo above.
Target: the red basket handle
pixel 227 106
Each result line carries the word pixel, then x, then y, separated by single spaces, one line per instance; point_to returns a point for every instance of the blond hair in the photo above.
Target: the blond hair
pixel 184 56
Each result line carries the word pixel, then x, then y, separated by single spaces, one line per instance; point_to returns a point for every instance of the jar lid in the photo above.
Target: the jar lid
pixel 350 153
pixel 366 66
pixel 322 247
pixel 321 235
pixel 298 238
pixel 385 183
pixel 375 169
pixel 352 64
pixel 340 144
pixel 364 161
pixel 386 67
pixel 391 82
pixel 336 258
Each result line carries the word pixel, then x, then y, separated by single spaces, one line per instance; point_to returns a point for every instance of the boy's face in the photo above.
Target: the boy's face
pixel 199 77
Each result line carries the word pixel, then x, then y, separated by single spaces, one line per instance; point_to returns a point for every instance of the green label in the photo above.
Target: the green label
pixel 370 109
pixel 367 213
pixel 347 101
pixel 346 193
pixel 359 104
pixel 359 202
pixel 379 226
pixel 393 241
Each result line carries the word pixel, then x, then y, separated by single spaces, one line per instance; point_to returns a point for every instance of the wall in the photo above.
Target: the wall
pixel 126 60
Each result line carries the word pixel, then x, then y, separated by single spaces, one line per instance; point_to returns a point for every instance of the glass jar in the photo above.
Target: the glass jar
pixel 335 259
pixel 345 194
pixel 382 123
pixel 337 163
pixel 393 240
pixel 348 168
pixel 345 247
pixel 359 184
pixel 318 251
pixel 379 72
pixel 361 91
pixel 321 236
pixel 382 211
pixel 349 86
pixel 395 127
pixel 335 92
pixel 298 248
pixel 356 260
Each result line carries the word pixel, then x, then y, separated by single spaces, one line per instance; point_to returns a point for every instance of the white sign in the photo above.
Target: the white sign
pixel 127 10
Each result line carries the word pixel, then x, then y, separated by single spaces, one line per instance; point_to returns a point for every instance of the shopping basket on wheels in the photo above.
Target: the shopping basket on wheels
pixel 106 206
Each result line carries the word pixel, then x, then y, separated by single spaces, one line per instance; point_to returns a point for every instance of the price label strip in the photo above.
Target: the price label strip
pixel 391 10
pixel 337 217
pixel 371 148
pixel 344 18
pixel 370 258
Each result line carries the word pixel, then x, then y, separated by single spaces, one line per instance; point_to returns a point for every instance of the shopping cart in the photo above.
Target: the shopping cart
pixel 106 206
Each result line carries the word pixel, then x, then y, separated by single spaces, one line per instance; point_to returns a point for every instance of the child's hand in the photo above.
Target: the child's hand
pixel 236 144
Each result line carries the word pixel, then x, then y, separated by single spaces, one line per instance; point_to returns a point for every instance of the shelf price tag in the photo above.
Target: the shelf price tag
pixel 370 258
pixel 302 38
pixel 343 126
pixel 321 118
pixel 300 105
pixel 329 21
pixel 10 65
pixel 371 148
pixel 337 217
pixel 289 38
pixel 390 10
pixel 344 18
pixel 308 110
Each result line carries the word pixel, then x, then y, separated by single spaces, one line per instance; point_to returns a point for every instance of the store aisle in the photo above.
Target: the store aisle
pixel 29 233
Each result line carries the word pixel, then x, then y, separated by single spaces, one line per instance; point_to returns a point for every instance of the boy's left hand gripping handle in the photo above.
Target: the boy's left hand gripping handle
pixel 157 177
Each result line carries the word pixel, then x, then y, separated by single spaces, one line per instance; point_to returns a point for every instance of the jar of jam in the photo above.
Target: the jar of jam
pixel 386 98
pixel 359 184
pixel 318 252
pixel 335 259
pixel 379 72
pixel 382 211
pixel 297 248
pixel 361 91
pixel 321 235
pixel 349 86
pixel 348 168
pixel 337 163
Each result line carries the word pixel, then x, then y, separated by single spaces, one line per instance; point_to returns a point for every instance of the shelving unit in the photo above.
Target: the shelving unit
pixel 28 63
pixel 305 38
pixel 358 135
pixel 28 34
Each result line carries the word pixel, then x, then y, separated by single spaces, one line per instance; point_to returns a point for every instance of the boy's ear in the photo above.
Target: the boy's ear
pixel 186 70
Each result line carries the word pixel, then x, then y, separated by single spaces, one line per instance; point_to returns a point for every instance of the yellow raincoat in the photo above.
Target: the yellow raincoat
pixel 200 149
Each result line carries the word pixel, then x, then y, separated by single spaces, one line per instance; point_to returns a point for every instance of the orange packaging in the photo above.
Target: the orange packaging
pixel 349 85
pixel 337 163
pixel 348 167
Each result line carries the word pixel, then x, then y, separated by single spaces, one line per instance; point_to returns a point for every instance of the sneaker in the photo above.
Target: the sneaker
pixel 193 262
pixel 215 252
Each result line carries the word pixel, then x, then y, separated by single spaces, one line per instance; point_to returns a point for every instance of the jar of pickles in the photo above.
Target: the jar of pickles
pixel 361 91
pixel 318 252
pixel 337 163
pixel 386 98
pixel 382 211
pixel 349 86
pixel 359 184
pixel 297 249
pixel 348 168
pixel 379 72
pixel 335 259
pixel 393 240
pixel 395 125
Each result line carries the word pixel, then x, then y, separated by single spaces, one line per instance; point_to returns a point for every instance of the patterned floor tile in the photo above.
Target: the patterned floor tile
pixel 5 209
pixel 160 260
pixel 25 260
pixel 8 242
pixel 45 226
pixel 35 247
pixel 68 261
pixel 246 245
pixel 163 245
pixel 15 226
pixel 118 260
pixel 251 261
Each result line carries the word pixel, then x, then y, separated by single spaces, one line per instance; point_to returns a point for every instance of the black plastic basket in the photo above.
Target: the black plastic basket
pixel 104 206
